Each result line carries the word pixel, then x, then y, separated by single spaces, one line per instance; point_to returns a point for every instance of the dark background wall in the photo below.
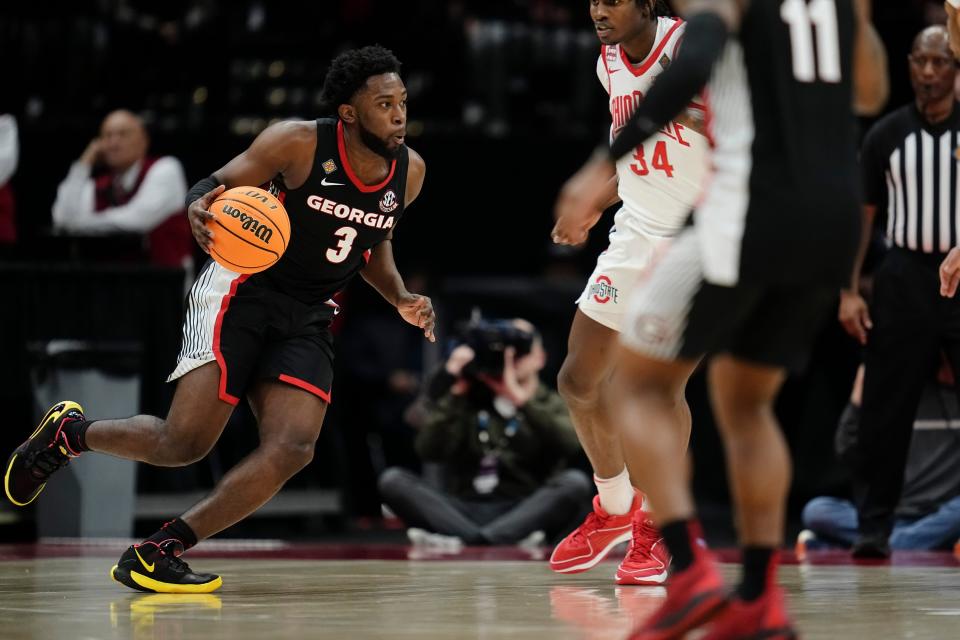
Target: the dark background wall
pixel 504 105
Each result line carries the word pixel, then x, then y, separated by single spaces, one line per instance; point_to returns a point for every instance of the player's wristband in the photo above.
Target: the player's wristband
pixel 202 188
pixel 703 42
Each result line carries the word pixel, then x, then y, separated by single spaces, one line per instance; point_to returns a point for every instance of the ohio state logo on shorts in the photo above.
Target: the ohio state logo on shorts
pixel 388 202
pixel 602 290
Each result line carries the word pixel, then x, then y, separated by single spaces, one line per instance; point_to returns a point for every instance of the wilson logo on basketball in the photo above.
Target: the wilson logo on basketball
pixel 602 291
pixel 257 228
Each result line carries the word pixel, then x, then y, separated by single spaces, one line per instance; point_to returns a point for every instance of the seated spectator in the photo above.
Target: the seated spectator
pixel 116 187
pixel 928 515
pixel 9 154
pixel 502 437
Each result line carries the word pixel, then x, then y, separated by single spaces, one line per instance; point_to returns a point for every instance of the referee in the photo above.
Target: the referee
pixel 910 163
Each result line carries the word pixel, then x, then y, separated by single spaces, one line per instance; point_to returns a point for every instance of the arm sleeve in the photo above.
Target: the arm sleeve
pixel 201 189
pixel 9 148
pixel 161 194
pixel 706 35
pixel 872 169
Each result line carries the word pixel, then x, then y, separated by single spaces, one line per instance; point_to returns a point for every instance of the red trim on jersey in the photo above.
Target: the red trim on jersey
pixel 653 55
pixel 350 174
pixel 606 67
pixel 306 386
pixel 226 397
pixel 366 255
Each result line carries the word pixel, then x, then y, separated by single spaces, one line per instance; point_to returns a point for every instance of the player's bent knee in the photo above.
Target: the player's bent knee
pixel 293 456
pixel 652 389
pixel 191 450
pixel 575 387
pixel 176 445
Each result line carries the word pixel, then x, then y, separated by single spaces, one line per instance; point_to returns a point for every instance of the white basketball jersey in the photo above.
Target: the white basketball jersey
pixel 662 179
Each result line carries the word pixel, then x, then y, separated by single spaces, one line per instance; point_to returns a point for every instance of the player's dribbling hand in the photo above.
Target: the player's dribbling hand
pixel 576 208
pixel 854 315
pixel 418 311
pixel 198 214
pixel 950 273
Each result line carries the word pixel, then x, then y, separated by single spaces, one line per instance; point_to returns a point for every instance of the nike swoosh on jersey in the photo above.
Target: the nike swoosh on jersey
pixel 148 567
pixel 330 184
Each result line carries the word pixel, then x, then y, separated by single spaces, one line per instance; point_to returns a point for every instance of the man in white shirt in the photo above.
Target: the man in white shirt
pixel 136 194
pixel 9 154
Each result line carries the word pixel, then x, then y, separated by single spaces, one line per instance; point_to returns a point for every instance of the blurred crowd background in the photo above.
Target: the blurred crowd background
pixel 504 105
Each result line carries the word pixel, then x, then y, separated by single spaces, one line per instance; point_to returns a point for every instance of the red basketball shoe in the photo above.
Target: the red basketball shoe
pixel 693 596
pixel 647 557
pixel 589 543
pixel 766 617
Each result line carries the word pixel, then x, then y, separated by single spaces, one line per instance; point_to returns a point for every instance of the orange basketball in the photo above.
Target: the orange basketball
pixel 251 229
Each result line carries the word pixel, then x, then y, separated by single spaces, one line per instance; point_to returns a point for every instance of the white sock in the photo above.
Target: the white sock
pixel 616 493
pixel 646 504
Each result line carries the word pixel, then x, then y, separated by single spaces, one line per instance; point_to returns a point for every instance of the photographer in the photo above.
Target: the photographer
pixel 502 437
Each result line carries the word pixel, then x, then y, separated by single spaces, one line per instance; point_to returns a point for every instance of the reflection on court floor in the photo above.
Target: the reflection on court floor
pixel 52 592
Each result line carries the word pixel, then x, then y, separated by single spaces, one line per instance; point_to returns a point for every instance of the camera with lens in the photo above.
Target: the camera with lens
pixel 489 339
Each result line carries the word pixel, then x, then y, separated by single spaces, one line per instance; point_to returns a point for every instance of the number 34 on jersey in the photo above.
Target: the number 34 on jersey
pixel 653 155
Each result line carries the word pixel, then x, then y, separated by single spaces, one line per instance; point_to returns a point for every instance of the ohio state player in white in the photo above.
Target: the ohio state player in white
pixel 658 185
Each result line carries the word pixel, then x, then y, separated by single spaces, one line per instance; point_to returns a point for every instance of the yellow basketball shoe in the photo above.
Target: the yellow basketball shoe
pixel 157 568
pixel 45 451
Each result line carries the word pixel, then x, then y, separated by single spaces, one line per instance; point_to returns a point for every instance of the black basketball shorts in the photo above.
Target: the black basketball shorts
pixel 255 333
pixel 675 314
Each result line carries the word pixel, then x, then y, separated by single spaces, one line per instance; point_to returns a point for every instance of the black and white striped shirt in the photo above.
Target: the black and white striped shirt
pixel 910 174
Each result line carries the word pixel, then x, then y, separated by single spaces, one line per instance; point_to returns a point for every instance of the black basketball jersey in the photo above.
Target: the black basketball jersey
pixel 783 206
pixel 335 221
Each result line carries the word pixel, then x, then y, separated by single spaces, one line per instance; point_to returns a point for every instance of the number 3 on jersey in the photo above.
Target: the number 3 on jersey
pixel 347 235
pixel 659 161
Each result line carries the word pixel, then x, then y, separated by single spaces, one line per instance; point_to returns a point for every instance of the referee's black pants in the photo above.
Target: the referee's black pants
pixel 912 324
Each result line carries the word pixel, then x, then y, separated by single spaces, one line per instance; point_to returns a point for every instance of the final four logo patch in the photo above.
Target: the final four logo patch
pixel 329 166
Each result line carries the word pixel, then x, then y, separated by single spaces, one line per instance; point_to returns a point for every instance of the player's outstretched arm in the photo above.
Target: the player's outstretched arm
pixel 709 24
pixel 272 153
pixel 381 271
pixel 574 228
pixel 871 82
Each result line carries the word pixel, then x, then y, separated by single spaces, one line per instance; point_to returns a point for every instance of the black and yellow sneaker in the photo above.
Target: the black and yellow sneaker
pixel 44 452
pixel 157 568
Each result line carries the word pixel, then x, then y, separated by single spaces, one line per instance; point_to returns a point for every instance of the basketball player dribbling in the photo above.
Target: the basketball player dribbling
pixel 658 183
pixel 749 283
pixel 345 183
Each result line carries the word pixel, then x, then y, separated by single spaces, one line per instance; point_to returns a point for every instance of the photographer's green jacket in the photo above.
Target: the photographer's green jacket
pixel 542 440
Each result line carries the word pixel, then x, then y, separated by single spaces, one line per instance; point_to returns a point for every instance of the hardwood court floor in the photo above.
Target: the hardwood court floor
pixel 45 597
